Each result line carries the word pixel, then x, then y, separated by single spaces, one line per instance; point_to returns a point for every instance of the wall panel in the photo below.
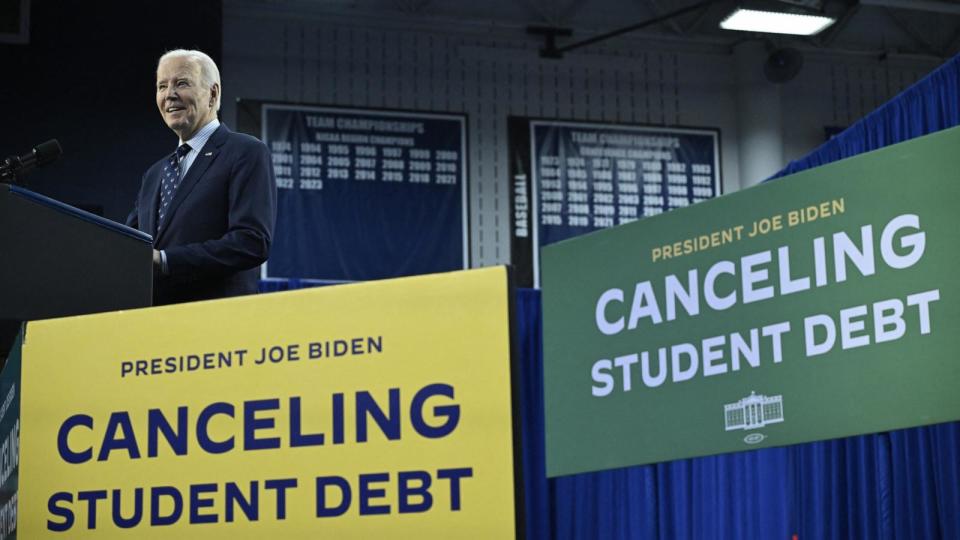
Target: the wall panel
pixel 491 73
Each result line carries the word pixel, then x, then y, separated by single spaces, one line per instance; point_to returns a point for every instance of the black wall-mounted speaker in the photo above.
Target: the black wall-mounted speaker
pixel 783 65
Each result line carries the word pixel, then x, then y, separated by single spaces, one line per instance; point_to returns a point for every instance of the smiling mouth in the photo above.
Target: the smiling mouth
pixel 174 109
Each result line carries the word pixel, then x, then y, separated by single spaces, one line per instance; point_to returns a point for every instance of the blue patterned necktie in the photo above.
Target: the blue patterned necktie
pixel 170 181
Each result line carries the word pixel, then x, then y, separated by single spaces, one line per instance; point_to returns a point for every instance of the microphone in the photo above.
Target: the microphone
pixel 42 154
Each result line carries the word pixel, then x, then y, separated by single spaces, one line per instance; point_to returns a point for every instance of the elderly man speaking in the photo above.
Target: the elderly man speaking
pixel 211 204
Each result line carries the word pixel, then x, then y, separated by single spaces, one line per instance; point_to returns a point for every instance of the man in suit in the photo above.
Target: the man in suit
pixel 211 205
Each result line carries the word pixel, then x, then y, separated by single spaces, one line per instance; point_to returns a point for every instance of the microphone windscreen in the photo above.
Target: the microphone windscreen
pixel 48 152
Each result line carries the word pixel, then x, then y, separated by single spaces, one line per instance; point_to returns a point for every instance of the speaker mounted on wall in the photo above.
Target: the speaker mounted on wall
pixel 783 65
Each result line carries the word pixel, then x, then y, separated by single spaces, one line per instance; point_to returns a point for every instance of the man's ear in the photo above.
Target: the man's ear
pixel 214 94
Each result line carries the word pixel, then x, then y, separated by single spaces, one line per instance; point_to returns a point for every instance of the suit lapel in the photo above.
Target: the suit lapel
pixel 148 207
pixel 199 167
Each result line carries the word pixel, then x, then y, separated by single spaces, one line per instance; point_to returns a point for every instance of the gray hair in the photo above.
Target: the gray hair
pixel 209 74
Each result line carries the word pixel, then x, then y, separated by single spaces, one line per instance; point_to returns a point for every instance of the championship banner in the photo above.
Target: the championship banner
pixel 376 410
pixel 366 194
pixel 818 306
pixel 572 178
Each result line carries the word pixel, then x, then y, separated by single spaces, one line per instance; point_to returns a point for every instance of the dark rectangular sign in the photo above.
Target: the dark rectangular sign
pixel 572 178
pixel 366 194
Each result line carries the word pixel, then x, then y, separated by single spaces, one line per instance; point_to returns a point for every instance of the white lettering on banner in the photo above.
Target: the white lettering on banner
pixel 724 354
pixel 757 284
pixel 821 331
pixel 757 277
pixel 683 361
pixel 521 207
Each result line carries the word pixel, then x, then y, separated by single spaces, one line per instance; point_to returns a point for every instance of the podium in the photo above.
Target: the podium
pixel 56 260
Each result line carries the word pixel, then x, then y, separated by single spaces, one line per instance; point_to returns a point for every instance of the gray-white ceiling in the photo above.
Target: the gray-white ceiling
pixel 929 28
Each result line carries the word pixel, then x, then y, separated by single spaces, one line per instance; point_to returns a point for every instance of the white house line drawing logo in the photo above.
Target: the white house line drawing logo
pixel 753 411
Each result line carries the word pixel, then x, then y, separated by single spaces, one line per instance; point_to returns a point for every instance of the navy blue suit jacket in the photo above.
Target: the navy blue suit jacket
pixel 220 222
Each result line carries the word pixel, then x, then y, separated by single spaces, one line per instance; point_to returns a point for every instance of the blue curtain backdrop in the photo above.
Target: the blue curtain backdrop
pixel 898 485
pixel 932 104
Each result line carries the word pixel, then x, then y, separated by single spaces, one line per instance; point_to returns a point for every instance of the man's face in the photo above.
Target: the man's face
pixel 185 103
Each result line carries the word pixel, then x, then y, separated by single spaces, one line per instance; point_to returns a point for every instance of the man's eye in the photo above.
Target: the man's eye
pixel 183 84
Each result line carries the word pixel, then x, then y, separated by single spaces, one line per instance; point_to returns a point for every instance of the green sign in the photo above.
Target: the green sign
pixel 818 306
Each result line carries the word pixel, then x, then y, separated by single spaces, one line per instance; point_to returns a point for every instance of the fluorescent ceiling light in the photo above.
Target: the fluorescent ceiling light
pixel 773 22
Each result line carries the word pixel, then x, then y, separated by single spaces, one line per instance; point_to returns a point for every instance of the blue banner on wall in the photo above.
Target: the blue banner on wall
pixel 366 194
pixel 582 177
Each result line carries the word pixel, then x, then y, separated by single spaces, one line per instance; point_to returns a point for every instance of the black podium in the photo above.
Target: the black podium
pixel 56 260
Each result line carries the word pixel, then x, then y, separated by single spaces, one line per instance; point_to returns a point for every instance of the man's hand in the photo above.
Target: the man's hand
pixel 156 258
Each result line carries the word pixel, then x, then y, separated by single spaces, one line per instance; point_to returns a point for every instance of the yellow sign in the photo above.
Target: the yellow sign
pixel 376 410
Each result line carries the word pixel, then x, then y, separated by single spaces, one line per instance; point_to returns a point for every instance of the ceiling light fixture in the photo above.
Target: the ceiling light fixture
pixel 775 22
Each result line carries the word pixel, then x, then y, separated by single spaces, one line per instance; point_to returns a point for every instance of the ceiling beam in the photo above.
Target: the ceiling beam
pixel 655 7
pixel 695 25
pixel 952 46
pixel 570 10
pixel 551 51
pixel 915 34
pixel 916 5
pixel 830 35
pixel 411 6
pixel 537 10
